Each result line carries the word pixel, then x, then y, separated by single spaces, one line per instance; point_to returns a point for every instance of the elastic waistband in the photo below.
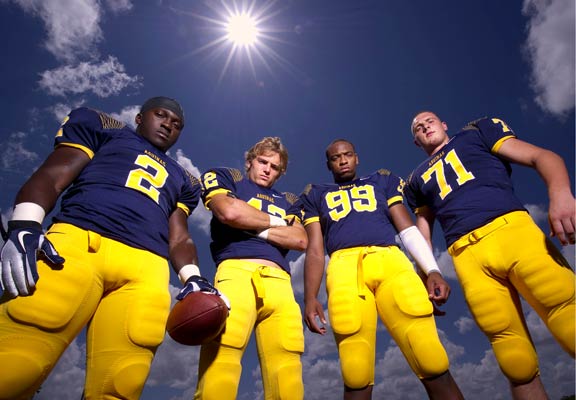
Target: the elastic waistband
pixel 364 250
pixel 477 234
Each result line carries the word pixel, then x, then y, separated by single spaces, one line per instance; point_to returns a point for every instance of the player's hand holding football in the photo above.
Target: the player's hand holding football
pixel 197 283
pixel 24 243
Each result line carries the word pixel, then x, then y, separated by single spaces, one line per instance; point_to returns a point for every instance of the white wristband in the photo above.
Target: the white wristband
pixel 28 212
pixel 187 271
pixel 276 221
pixel 264 234
pixel 419 249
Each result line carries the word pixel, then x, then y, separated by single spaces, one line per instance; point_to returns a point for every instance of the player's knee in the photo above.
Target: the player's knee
pixel 20 375
pixel 355 362
pixel 290 385
pixel 517 359
pixel 219 382
pixel 125 380
pixel 428 358
pixel 552 285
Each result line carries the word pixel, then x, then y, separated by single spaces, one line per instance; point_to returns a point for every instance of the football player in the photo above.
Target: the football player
pixel 104 260
pixel 499 253
pixel 252 229
pixel 356 219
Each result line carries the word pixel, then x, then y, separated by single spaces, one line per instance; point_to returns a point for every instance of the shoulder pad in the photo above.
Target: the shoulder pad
pixel 291 197
pixel 472 125
pixel 235 174
pixel 193 179
pixel 108 122
pixel 383 171
pixel 307 189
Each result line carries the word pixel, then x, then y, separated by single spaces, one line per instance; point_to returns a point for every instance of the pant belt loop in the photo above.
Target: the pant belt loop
pixel 94 241
pixel 360 271
pixel 258 283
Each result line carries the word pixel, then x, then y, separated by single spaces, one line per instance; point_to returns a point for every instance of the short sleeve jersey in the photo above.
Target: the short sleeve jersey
pixel 354 213
pixel 129 189
pixel 464 183
pixel 231 243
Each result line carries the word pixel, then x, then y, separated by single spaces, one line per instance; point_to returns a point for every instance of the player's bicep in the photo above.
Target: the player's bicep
pixel 57 172
pixel 400 216
pixel 315 246
pixel 518 151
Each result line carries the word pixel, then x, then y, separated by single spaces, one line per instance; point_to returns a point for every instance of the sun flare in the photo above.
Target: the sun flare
pixel 242 30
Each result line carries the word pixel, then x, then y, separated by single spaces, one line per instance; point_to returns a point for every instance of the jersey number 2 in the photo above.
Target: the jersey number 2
pixel 147 182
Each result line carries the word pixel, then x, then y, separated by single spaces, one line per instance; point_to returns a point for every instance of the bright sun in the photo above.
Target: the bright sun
pixel 242 30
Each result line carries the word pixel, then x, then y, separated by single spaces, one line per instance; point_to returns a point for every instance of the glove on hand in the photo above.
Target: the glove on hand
pixel 24 242
pixel 196 283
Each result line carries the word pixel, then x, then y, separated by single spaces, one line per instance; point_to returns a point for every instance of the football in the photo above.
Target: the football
pixel 197 319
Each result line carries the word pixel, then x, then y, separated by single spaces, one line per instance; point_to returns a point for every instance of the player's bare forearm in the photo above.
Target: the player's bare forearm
pixel 313 274
pixel 314 261
pixel 238 214
pixel 182 249
pixel 292 237
pixel 552 169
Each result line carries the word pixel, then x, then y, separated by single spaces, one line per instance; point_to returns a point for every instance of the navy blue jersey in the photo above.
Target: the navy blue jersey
pixel 231 243
pixel 354 213
pixel 129 188
pixel 464 183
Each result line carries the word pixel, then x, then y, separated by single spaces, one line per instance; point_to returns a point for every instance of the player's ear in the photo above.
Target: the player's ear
pixel 138 119
pixel 445 126
pixel 416 143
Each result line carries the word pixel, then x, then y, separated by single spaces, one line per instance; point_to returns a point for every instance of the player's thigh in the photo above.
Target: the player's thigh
pixel 279 325
pixel 406 311
pixel 353 317
pixel 491 298
pixel 65 296
pixel 540 273
pixel 129 323
pixel 35 330
pixel 280 340
pixel 236 283
pixel 344 301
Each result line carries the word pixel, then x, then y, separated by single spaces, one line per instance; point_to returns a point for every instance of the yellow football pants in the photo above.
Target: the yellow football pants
pixel 364 282
pixel 119 291
pixel 500 260
pixel 261 298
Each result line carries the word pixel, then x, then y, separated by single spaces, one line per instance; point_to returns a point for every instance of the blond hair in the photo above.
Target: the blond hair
pixel 266 145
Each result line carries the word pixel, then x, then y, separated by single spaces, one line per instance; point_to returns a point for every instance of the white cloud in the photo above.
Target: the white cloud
pixel 446 264
pixel 127 115
pixel 73 34
pixel 550 50
pixel 201 216
pixel 14 152
pixel 104 78
pixel 464 324
pixel 72 26
pixel 66 382
pixel 538 213
pixel 119 6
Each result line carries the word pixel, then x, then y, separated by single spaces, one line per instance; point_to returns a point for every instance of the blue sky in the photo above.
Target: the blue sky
pixel 324 69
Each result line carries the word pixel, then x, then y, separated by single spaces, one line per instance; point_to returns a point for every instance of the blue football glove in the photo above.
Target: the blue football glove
pixel 196 283
pixel 24 243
